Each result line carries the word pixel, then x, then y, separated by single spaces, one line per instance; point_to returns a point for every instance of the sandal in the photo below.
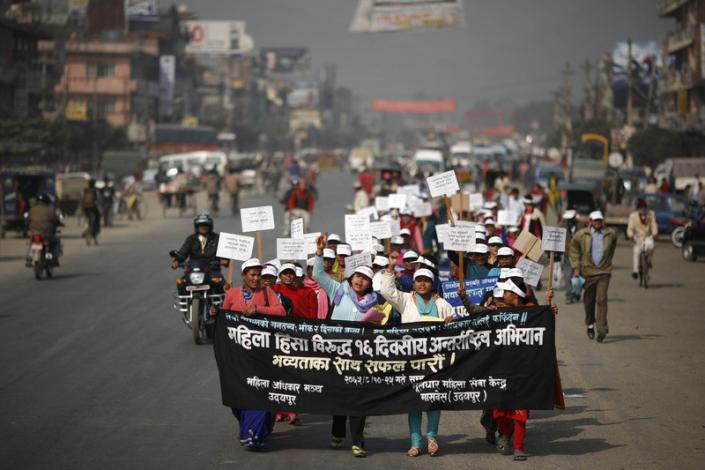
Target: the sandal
pixel 502 442
pixel 359 452
pixel 432 447
pixel 336 442
pixel 413 452
pixel 520 455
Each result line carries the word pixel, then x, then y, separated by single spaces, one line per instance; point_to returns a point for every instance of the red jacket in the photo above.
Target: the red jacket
pixel 304 299
pixel 269 305
pixel 298 194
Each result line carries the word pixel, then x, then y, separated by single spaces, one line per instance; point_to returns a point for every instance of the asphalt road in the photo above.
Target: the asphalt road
pixel 97 371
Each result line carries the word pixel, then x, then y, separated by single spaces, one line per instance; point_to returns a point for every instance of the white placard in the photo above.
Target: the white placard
pixel 382 203
pixel 257 218
pixel 443 184
pixel 397 201
pixel 442 232
pixel 553 239
pixel 355 261
pixel 291 248
pixel 357 231
pixel 370 212
pixel 311 242
pixel 409 189
pixel 507 218
pixel 395 225
pixel 232 246
pixel 460 239
pixel 297 228
pixel 476 201
pixel 465 223
pixel 381 229
pixel 422 209
pixel 532 271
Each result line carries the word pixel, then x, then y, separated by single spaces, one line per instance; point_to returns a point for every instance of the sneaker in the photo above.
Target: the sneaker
pixel 600 338
pixel 336 442
pixel 502 443
pixel 520 455
pixel 591 332
pixel 635 275
pixel 359 452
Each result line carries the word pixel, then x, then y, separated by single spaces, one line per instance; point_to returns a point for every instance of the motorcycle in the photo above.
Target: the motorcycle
pixel 41 259
pixel 196 291
pixel 678 231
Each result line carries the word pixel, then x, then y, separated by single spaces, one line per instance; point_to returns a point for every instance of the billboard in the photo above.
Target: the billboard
pixel 141 9
pixel 218 38
pixel 414 106
pixel 646 63
pixel 303 96
pixel 167 76
pixel 399 15
pixel 285 60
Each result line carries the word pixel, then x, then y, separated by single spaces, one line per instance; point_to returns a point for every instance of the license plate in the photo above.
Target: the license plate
pixel 193 288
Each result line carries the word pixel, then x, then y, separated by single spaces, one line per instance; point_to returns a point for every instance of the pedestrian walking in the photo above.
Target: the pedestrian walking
pixel 591 252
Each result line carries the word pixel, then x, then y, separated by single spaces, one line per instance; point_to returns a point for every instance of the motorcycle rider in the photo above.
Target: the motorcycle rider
pixel 44 219
pixel 107 197
pixel 202 244
pixel 642 227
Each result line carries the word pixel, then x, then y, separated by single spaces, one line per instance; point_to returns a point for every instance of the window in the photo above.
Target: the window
pixel 104 107
pixel 101 70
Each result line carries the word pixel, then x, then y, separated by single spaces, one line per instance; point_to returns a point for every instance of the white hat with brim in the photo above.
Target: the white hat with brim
pixel 505 251
pixel 269 270
pixel 479 228
pixel 489 222
pixel 299 272
pixel 596 215
pixel 310 262
pixel 410 255
pixel 509 285
pixel 406 211
pixel 480 236
pixel 397 240
pixel 405 231
pixel 274 262
pixel 250 263
pixel 495 241
pixel 504 273
pixel 365 271
pixel 423 272
pixel 569 214
pixel 480 248
pixel 498 292
pixel 344 250
pixel 334 237
pixel 515 272
pixel 527 200
pixel 381 261
pixel 287 267
pixel 328 253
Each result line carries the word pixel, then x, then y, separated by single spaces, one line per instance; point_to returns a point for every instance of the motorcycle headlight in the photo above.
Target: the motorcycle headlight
pixel 197 278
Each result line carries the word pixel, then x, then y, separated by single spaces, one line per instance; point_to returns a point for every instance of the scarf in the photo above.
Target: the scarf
pixel 363 305
pixel 426 309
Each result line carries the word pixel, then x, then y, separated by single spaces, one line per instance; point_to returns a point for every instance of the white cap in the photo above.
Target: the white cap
pixel 513 228
pixel 250 263
pixel 498 292
pixel 365 271
pixel 489 205
pixel 527 200
pixel 480 236
pixel 429 263
pixel 515 272
pixel 405 231
pixel 269 270
pixel 480 248
pixel 328 253
pixel 382 261
pixel 569 214
pixel 310 262
pixel 406 211
pixel 480 228
pixel 274 262
pixel 397 240
pixel 495 241
pixel 505 251
pixel 489 221
pixel 286 267
pixel 510 286
pixel 344 249
pixel 299 271
pixel 423 272
pixel 596 215
pixel 504 273
pixel 334 237
pixel 411 254
pixel 378 248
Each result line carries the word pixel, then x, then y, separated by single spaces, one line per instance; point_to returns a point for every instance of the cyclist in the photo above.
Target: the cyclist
pixel 642 229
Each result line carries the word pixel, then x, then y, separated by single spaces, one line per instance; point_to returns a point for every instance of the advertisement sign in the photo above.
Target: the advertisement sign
pixel 285 60
pixel 141 9
pixel 218 38
pixel 414 106
pixel 400 15
pixel 167 75
pixel 76 112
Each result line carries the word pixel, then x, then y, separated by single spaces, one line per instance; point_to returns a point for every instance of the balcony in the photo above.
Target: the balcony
pixel 680 39
pixel 667 7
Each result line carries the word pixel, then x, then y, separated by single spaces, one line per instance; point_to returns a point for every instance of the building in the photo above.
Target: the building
pixel 21 74
pixel 682 87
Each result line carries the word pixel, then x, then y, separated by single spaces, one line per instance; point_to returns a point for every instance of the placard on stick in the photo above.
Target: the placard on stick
pixel 311 242
pixel 381 229
pixel 553 239
pixel 233 246
pixel 442 233
pixel 357 231
pixel 528 245
pixel 476 201
pixel 459 239
pixel 355 261
pixel 507 218
pixel 382 203
pixel 292 249
pixel 297 228
pixel 532 271
pixel 443 184
pixel 397 201
pixel 257 218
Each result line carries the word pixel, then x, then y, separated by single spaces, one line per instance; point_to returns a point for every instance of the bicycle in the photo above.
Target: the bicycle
pixel 643 265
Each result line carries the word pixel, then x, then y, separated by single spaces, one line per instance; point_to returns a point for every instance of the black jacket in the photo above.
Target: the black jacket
pixel 191 249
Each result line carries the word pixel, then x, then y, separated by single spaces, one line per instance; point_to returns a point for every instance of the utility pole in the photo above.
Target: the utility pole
pixel 589 101
pixel 566 111
pixel 629 82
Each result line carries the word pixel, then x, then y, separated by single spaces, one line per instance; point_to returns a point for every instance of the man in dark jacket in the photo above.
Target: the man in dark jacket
pixel 202 244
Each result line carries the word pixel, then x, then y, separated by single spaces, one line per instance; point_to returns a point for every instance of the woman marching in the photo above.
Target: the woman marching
pixel 352 300
pixel 252 298
pixel 421 304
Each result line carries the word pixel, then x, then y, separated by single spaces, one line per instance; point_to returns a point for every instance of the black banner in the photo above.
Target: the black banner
pixel 504 359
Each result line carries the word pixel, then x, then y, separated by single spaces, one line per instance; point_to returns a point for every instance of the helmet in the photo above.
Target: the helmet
pixel 45 198
pixel 203 219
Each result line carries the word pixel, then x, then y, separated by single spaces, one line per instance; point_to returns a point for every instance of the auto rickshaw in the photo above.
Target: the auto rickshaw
pixel 19 189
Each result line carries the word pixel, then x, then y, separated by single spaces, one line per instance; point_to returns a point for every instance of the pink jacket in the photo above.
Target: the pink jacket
pixel 323 303
pixel 269 305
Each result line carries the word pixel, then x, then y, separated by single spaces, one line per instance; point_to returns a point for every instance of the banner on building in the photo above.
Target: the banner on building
pixel 399 15
pixel 218 38
pixel 167 76
pixel 76 112
pixel 285 60
pixel 414 106
pixel 141 9
pixel 505 359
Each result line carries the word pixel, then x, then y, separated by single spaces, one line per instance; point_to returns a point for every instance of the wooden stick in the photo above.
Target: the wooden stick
pixel 550 273
pixel 231 269
pixel 258 235
pixel 461 254
pixel 460 215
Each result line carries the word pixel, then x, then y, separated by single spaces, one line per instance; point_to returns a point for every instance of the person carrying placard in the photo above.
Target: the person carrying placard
pixel 422 304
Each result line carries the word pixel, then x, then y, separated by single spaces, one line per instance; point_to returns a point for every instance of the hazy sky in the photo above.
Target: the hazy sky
pixel 512 49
